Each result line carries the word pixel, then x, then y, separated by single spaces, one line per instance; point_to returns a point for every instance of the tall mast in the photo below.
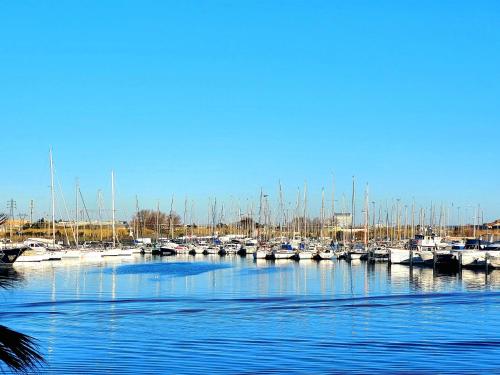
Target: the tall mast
pixel 192 217
pixel 137 222
pixel 185 218
pixel 366 217
pixel 113 206
pixel 398 222
pixel 53 199
pixel 171 218
pixel 305 209
pixel 99 211
pixel 260 216
pixel 281 211
pixel 77 216
pixel 322 218
pixel 158 222
pixel 297 214
pixel 405 236
pixel 413 218
pixel 373 222
pixel 334 233
pixel 352 210
pixel 387 222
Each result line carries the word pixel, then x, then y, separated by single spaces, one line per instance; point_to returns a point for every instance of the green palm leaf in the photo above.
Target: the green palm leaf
pixel 19 351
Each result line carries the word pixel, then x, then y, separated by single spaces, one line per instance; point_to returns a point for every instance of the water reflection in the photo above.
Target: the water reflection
pixel 216 314
pixel 9 277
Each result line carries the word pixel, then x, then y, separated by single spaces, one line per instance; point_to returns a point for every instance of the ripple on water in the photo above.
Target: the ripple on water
pixel 169 268
pixel 298 318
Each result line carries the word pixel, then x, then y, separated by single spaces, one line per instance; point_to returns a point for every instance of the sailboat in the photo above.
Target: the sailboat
pixel 9 253
pixel 38 247
pixel 115 250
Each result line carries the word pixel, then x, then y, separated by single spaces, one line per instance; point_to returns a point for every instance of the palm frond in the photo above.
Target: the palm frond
pixel 19 351
pixel 3 219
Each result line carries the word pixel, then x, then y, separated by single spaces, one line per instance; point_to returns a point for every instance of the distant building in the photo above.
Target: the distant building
pixel 495 225
pixel 342 220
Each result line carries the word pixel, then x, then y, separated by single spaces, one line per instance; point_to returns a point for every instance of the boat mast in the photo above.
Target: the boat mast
pixel 334 233
pixel 192 217
pixel 260 216
pixel 113 206
pixel 99 206
pixel 185 219
pixel 374 229
pixel 52 197
pixel 322 219
pixel 281 211
pixel 137 222
pixel 413 218
pixel 366 217
pixel 77 216
pixel 297 214
pixel 158 222
pixel 305 210
pixel 352 211
pixel 171 218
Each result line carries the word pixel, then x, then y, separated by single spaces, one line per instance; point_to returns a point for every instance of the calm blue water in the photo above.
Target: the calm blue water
pixel 232 315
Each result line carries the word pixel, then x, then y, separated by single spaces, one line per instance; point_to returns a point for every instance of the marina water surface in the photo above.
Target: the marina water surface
pixel 234 315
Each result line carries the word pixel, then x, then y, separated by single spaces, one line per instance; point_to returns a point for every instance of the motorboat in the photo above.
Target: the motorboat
pixel 168 248
pixel 283 251
pixel 457 245
pixel 231 248
pixel 249 247
pixel 404 256
pixel 378 253
pixel 476 244
pixel 324 253
pixel 261 253
pixel 115 252
pixel 9 253
pixel 358 252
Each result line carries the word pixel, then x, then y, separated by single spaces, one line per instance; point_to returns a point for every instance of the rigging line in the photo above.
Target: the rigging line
pixel 65 232
pixel 84 206
pixel 65 205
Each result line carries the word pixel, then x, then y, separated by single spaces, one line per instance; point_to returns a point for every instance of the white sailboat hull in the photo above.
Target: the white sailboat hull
pixel 325 255
pixel 32 257
pixel 355 256
pixel 402 256
pixel 260 254
pixel 250 249
pixel 282 255
pixel 116 252
pixel 305 255
pixel 91 255
pixel 200 249
pixel 137 250
pixel 71 254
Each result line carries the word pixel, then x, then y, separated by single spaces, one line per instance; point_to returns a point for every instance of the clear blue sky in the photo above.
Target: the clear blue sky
pixel 221 98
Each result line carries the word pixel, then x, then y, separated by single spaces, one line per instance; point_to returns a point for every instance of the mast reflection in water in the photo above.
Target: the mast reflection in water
pixel 227 315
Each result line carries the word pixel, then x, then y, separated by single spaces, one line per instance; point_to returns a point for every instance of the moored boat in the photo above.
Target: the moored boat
pixel 261 253
pixel 404 256
pixel 9 254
